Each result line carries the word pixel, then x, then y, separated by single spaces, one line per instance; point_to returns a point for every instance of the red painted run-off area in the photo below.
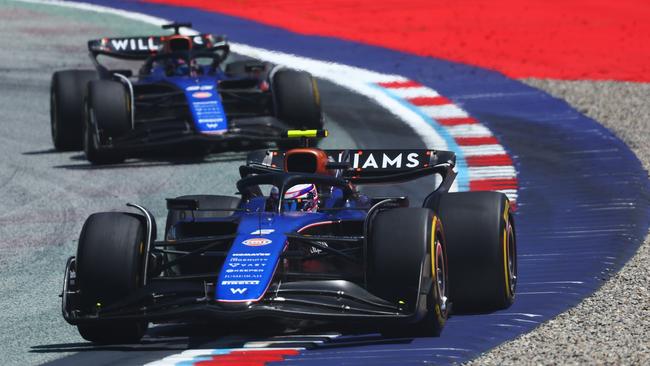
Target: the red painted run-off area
pixel 563 39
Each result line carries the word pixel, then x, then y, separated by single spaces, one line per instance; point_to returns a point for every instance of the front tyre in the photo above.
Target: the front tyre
pixel 109 268
pixel 67 91
pixel 407 265
pixel 107 117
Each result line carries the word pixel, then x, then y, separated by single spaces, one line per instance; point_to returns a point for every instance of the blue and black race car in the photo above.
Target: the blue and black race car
pixel 300 241
pixel 187 92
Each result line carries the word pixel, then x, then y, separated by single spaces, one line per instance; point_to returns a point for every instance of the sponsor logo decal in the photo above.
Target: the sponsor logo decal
pixel 263 232
pixel 251 254
pixel 134 44
pixel 235 265
pixel 245 270
pixel 314 250
pixel 238 290
pixel 257 242
pixel 240 282
pixel 199 87
pixel 386 161
pixel 201 94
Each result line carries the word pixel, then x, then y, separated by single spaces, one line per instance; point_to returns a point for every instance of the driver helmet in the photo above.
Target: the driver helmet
pixel 301 197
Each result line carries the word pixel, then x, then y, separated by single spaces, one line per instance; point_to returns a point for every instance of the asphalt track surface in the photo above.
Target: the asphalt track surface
pixel 95 194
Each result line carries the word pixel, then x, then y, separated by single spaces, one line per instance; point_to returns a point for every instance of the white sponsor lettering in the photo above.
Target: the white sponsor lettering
pixel 263 232
pixel 240 282
pixel 134 44
pixel 120 44
pixel 370 162
pixel 233 264
pixel 412 160
pixel 251 254
pixel 236 259
pixel 244 270
pixel 207 87
pixel 396 162
pixel 238 290
pixel 193 88
pixel 142 45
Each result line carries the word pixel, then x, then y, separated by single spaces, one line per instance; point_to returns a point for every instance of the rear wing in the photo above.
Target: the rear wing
pixel 368 166
pixel 141 48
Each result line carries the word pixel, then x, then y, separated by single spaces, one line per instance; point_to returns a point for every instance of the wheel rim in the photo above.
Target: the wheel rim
pixel 441 278
pixel 511 250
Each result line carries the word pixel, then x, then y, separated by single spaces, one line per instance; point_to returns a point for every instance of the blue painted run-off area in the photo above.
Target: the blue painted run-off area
pixel 584 199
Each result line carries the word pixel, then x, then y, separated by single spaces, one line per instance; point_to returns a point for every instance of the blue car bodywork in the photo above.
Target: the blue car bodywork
pixel 189 91
pixel 258 256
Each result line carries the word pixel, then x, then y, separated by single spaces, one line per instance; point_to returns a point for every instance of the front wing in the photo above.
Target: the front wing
pixel 161 300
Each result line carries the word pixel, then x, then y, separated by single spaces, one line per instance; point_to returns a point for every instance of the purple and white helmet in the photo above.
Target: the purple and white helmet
pixel 301 197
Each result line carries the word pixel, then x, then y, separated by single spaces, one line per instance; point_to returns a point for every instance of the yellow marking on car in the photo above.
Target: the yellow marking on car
pixel 434 252
pixel 505 249
pixel 307 133
pixel 314 87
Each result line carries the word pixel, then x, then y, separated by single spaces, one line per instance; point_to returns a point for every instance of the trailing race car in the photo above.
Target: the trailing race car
pixel 300 242
pixel 185 93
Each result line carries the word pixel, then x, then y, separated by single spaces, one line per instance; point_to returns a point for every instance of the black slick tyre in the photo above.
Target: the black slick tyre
pixel 107 117
pixel 482 249
pixel 297 102
pixel 67 91
pixel 109 268
pixel 407 265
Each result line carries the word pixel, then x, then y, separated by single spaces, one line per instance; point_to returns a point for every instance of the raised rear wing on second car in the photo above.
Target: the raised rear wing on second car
pixel 140 48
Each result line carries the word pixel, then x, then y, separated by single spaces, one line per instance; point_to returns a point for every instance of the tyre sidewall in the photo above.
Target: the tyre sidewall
pixel 475 224
pixel 67 90
pixel 296 99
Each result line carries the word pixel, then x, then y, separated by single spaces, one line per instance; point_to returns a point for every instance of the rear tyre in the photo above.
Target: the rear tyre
pixel 407 252
pixel 107 117
pixel 67 91
pixel 297 102
pixel 482 249
pixel 109 268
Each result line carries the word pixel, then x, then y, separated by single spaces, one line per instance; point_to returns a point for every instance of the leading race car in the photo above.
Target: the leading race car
pixel 185 93
pixel 299 242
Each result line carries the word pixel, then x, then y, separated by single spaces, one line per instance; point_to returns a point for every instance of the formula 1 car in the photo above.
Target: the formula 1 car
pixel 300 242
pixel 185 93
